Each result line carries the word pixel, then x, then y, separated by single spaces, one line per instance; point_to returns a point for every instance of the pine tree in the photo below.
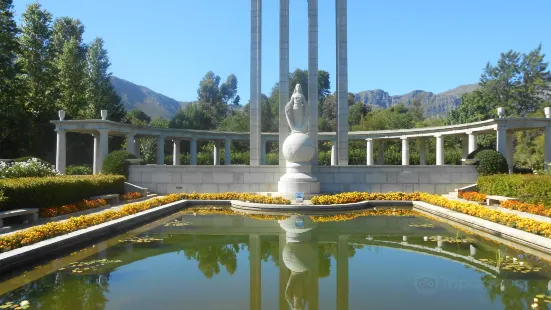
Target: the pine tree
pixel 11 113
pixel 100 94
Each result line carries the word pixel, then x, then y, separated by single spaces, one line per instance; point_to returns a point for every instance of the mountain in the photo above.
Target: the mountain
pixel 434 104
pixel 140 97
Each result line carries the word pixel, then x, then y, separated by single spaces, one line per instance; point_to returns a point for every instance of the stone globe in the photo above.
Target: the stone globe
pixel 298 148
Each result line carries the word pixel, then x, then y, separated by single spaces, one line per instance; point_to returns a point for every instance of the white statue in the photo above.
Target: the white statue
pixel 295 111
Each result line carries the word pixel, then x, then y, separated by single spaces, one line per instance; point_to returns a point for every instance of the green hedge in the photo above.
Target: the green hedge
pixel 56 191
pixel 529 188
pixel 116 163
pixel 491 162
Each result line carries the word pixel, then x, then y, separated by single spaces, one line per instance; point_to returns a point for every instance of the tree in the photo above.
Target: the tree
pixel 301 77
pixel 71 84
pixel 148 146
pixel 100 94
pixel 137 117
pixel 193 116
pixel 11 111
pixel 65 29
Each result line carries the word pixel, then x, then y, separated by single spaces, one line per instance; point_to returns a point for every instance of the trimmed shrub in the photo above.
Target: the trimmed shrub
pixel 473 153
pixel 116 163
pixel 27 158
pixel 78 170
pixel 57 191
pixel 529 188
pixel 491 162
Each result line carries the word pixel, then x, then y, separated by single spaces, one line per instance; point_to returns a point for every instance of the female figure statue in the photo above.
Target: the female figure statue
pixel 295 111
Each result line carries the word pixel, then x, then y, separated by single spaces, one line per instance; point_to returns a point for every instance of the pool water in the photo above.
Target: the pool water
pixel 214 258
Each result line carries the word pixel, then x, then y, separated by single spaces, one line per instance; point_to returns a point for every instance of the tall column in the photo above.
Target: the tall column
pixel 263 151
pixel 422 151
pixel 255 260
pixel 137 147
pixel 381 155
pixel 227 152
pixel 130 148
pixel 96 167
pixel 342 272
pixel 334 153
pixel 439 150
pixel 283 74
pixel 160 150
pixel 176 152
pixel 405 151
pixel 464 147
pixel 193 151
pixel 103 149
pixel 256 73
pixel 472 142
pixel 342 81
pixel 216 153
pixel 313 75
pixel 547 148
pixel 369 151
pixel 61 151
pixel 501 145
pixel 509 152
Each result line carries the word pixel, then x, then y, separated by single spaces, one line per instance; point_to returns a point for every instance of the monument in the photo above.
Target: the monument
pixel 298 150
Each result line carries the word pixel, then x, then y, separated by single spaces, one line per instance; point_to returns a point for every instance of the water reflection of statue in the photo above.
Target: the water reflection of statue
pixel 295 111
pixel 299 257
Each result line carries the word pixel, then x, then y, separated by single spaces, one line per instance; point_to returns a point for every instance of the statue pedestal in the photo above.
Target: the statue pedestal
pixel 298 150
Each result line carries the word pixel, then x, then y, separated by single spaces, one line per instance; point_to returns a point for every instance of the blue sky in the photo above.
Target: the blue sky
pixel 395 45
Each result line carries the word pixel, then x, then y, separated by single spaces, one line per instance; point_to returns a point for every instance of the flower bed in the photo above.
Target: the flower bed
pixel 56 191
pixel 472 196
pixel 130 196
pixel 361 196
pixel 237 196
pixel 53 229
pixel 72 208
pixel 371 212
pixel 538 209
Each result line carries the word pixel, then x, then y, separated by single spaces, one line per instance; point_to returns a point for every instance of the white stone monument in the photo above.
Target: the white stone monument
pixel 298 150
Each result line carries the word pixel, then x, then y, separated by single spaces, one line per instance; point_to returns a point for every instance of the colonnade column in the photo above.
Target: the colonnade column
pixel 176 152
pixel 193 151
pixel 227 152
pixel 464 147
pixel 501 140
pixel 369 151
pixel 255 260
pixel 262 151
pixel 509 152
pixel 334 153
pixel 95 167
pixel 216 153
pixel 422 151
pixel 472 142
pixel 313 76
pixel 381 155
pixel 137 146
pixel 130 147
pixel 405 151
pixel 256 74
pixel 439 150
pixel 547 141
pixel 342 272
pixel 61 151
pixel 160 150
pixel 103 149
pixel 342 80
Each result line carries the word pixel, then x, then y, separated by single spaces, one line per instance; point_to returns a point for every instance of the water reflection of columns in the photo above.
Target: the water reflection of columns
pixel 342 272
pixel 283 275
pixel 255 272
pixel 314 285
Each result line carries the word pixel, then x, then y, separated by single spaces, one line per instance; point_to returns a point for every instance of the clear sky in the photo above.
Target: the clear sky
pixel 395 45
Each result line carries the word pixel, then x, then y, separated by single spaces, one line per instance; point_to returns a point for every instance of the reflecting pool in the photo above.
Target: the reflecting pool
pixel 214 258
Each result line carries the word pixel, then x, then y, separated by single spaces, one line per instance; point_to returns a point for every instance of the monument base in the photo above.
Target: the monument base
pixel 298 179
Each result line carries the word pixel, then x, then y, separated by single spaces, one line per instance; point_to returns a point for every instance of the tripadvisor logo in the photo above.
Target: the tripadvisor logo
pixel 426 284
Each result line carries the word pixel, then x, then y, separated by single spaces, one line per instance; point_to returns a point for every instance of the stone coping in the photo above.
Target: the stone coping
pixel 261 207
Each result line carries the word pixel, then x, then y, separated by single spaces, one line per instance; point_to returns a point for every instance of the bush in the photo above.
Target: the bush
pixel 31 167
pixel 472 155
pixel 78 170
pixel 116 163
pixel 56 191
pixel 491 162
pixel 529 188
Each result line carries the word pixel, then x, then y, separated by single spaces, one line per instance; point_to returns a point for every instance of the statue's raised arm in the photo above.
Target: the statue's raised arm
pixel 295 111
